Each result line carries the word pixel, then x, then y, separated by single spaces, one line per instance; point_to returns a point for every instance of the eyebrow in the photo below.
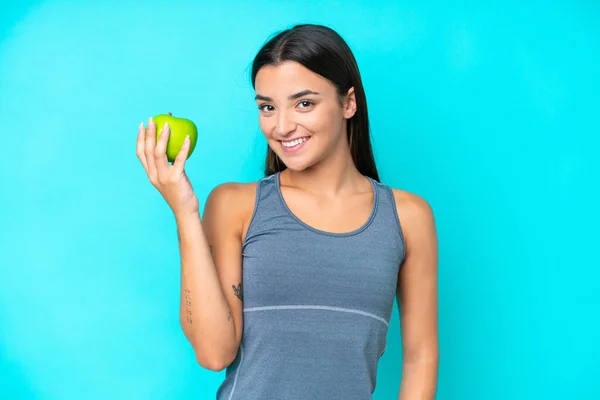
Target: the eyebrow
pixel 292 97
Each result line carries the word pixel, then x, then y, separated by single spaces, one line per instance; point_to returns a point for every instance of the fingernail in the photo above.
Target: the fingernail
pixel 150 121
pixel 166 126
pixel 141 125
pixel 187 138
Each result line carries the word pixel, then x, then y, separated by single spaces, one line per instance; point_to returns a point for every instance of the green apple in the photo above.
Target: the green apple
pixel 179 128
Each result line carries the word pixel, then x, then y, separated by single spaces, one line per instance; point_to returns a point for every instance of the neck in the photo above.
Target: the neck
pixel 332 176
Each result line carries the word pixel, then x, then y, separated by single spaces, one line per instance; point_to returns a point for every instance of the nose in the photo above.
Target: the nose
pixel 285 124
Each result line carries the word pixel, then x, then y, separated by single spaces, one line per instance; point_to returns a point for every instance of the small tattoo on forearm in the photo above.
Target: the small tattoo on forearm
pixel 188 305
pixel 238 291
pixel 229 316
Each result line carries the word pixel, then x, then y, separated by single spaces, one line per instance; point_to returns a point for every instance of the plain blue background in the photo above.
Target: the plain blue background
pixel 489 110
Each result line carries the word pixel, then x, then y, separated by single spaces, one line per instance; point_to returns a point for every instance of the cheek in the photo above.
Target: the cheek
pixel 324 121
pixel 265 125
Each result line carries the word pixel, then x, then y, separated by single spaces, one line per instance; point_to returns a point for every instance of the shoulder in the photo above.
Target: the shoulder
pixel 412 205
pixel 231 202
pixel 232 195
pixel 415 214
pixel 232 191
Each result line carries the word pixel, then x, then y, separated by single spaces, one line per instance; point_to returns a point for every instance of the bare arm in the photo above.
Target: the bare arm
pixel 418 299
pixel 211 317
pixel 210 308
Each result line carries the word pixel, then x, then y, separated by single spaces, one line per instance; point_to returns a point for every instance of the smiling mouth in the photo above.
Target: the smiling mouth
pixel 293 145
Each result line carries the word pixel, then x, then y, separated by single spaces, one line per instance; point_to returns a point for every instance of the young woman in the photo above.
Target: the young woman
pixel 289 282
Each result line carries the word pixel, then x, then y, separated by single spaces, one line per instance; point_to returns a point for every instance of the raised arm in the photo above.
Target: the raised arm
pixel 210 310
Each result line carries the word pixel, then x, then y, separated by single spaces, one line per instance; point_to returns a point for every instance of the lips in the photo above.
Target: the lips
pixel 295 144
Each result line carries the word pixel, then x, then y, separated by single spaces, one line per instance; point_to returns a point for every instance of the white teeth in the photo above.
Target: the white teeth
pixel 294 142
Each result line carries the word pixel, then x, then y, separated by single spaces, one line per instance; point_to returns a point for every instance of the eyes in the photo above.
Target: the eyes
pixel 303 105
pixel 266 108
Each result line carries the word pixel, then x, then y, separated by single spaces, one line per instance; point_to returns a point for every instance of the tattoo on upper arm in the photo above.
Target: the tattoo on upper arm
pixel 238 291
pixel 229 316
pixel 188 306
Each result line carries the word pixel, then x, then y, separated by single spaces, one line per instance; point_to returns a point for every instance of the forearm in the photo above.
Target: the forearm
pixel 419 380
pixel 204 312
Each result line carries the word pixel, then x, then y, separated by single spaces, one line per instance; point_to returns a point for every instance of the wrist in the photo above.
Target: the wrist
pixel 187 218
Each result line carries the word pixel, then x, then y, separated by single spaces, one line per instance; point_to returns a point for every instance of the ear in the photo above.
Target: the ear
pixel 349 104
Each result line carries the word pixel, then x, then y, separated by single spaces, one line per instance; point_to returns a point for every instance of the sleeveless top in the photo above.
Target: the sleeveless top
pixel 316 304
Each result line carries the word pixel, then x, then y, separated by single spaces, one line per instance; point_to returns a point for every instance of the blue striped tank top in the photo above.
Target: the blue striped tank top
pixel 316 304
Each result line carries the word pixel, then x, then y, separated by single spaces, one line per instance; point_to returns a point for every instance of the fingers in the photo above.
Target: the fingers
pixel 150 143
pixel 182 156
pixel 139 149
pixel 160 153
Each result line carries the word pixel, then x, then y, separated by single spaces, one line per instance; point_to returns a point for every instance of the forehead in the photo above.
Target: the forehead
pixel 289 77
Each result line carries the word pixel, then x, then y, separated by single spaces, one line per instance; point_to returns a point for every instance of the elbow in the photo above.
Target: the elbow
pixel 211 356
pixel 216 362
pixel 212 365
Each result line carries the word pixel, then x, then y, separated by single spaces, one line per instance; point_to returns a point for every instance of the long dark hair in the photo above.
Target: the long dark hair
pixel 323 51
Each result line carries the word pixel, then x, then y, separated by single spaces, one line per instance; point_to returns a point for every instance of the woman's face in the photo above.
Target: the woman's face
pixel 300 114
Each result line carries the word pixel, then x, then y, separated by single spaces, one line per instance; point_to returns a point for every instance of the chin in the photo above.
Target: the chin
pixel 296 165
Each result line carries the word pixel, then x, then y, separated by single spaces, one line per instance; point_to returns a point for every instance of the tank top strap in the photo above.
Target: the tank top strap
pixel 268 201
pixel 386 218
pixel 268 207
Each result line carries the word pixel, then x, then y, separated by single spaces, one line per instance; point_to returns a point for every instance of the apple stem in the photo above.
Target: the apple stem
pixel 170 115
